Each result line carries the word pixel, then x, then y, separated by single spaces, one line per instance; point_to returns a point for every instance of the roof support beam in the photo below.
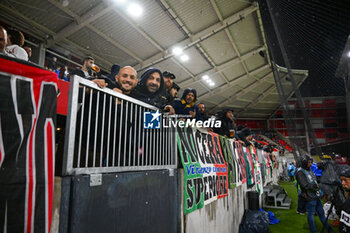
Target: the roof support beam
pixel 199 37
pixel 81 22
pixel 243 91
pixel 139 30
pixel 115 43
pixel 221 67
pixel 94 29
pixel 30 21
pixel 187 32
pixel 86 51
pixel 49 32
pixel 235 81
pixel 269 91
pixel 229 36
pixel 263 35
pixel 258 99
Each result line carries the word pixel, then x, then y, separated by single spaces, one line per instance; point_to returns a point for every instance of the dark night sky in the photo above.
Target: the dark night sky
pixel 314 34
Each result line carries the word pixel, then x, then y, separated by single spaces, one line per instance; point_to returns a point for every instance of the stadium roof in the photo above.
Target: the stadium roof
pixel 222 39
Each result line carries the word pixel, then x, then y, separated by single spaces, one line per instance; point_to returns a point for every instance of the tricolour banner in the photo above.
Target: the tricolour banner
pixel 27 146
pixel 233 169
pixel 257 170
pixel 205 169
pixel 241 160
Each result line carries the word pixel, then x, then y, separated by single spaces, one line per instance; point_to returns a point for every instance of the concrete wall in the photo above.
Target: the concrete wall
pixel 223 215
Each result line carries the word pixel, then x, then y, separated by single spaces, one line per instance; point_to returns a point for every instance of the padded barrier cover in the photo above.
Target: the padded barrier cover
pixel 125 202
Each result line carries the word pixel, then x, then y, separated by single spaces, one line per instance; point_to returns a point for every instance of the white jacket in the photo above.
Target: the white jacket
pixel 17 51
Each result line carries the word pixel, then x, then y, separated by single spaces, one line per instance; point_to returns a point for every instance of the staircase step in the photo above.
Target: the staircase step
pixel 274 193
pixel 281 197
pixel 268 189
pixel 287 202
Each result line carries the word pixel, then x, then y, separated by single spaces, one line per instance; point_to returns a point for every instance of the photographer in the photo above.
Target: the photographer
pixel 311 192
pixel 344 225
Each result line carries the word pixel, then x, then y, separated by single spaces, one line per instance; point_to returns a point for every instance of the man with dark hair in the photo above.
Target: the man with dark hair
pixel 311 192
pixel 168 83
pixel 86 72
pixel 244 135
pixel 52 64
pixel 174 90
pixel 168 80
pixel 186 105
pixel 150 88
pixel 15 40
pixel 227 123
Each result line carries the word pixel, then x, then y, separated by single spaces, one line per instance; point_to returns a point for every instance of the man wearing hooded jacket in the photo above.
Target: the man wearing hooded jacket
pixel 150 89
pixel 227 123
pixel 186 105
pixel 311 192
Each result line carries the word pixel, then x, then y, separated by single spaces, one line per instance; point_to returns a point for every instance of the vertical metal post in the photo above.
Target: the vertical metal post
pixel 103 127
pixel 88 131
pixel 96 124
pixel 81 126
pixel 120 131
pixel 42 54
pixel 125 132
pixel 71 125
pixel 115 131
pixel 109 129
pixel 130 131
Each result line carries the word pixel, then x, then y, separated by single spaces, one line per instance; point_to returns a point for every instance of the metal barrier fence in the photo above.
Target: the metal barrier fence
pixel 105 133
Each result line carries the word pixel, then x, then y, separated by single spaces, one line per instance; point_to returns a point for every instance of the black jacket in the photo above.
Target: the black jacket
pixel 242 135
pixel 157 99
pixel 344 225
pixel 303 182
pixel 80 73
pixel 226 124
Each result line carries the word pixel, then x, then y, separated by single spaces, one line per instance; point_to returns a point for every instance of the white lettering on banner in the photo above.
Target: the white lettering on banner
pixel 345 218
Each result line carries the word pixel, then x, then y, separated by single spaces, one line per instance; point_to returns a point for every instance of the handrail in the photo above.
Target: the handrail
pixel 104 133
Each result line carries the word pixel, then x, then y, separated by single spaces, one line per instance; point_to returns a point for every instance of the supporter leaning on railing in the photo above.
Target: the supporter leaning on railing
pixel 155 89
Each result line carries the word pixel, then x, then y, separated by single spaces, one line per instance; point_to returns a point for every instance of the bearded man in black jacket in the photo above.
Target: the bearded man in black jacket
pixel 150 89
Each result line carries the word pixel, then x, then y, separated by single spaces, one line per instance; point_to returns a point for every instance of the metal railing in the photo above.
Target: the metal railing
pixel 105 133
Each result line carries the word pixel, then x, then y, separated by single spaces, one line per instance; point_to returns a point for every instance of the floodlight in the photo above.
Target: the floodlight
pixel 184 58
pixel 135 10
pixel 205 77
pixel 177 51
